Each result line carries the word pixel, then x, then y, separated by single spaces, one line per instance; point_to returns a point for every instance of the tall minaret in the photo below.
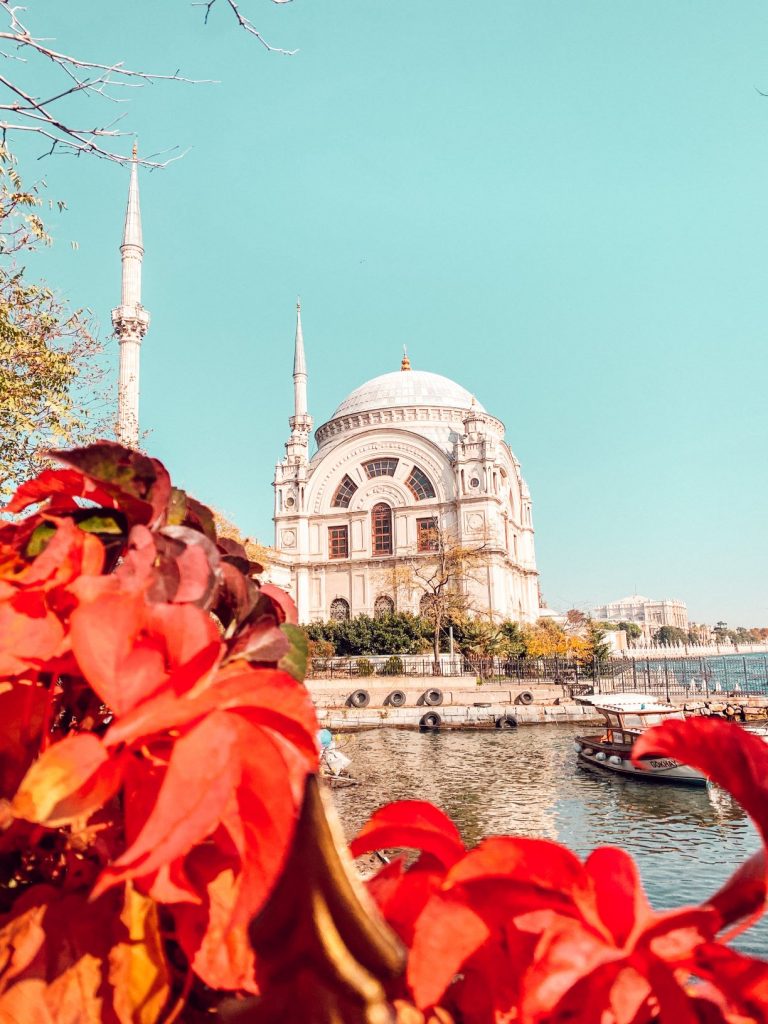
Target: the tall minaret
pixel 130 319
pixel 297 448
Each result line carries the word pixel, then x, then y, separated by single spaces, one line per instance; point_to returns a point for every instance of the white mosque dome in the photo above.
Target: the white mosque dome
pixel 406 388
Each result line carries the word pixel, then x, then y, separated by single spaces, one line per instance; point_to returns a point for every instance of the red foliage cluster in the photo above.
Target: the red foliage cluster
pixel 154 749
pixel 521 930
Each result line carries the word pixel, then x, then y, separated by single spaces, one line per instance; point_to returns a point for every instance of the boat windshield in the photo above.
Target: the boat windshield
pixel 638 720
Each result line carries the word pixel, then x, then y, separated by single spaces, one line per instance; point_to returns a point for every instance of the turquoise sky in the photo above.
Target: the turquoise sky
pixel 561 204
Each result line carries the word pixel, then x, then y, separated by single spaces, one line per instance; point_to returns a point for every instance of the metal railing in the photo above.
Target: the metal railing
pixel 708 677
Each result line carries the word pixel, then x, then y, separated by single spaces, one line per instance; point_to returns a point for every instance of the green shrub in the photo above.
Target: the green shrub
pixel 364 667
pixel 393 666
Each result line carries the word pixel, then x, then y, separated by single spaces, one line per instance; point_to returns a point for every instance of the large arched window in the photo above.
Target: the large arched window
pixel 380 467
pixel 383 607
pixel 344 492
pixel 419 484
pixel 339 609
pixel 381 529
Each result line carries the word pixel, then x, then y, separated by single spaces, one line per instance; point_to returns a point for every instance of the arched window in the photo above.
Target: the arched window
pixel 380 467
pixel 339 609
pixel 383 607
pixel 381 529
pixel 344 492
pixel 419 484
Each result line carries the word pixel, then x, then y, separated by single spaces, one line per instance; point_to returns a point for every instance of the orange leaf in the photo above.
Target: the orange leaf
pixel 70 780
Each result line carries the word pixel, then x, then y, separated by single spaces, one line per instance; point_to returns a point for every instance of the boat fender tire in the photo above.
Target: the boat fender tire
pixel 506 722
pixel 525 697
pixel 396 699
pixel 430 721
pixel 729 711
pixel 433 698
pixel 359 699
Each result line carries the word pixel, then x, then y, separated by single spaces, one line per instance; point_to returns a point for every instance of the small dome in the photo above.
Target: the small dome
pixel 406 388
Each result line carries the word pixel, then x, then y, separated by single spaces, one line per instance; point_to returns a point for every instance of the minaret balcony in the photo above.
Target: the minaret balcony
pixel 130 315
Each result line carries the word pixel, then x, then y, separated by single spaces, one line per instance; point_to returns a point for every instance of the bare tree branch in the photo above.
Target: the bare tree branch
pixel 245 23
pixel 22 111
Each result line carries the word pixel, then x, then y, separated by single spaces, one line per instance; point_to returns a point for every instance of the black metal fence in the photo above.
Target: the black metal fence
pixel 725 676
pixel 707 677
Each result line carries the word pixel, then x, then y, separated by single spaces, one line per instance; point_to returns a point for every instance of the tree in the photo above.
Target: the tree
pixel 721 631
pixel 51 385
pixel 440 578
pixel 632 630
pixel 670 636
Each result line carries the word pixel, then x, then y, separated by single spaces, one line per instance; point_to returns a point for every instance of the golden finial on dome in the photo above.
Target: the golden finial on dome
pixel 406 362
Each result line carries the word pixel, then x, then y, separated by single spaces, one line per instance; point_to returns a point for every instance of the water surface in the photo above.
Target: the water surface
pixel 527 782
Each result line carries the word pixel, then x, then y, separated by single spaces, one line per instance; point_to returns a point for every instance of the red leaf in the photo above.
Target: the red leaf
pixel 411 824
pixel 141 486
pixel 504 876
pixel 29 634
pixel 736 760
pixel 621 902
pixel 446 934
pixel 202 774
pixel 58 484
pixel 742 979
pixel 287 611
pixel 729 755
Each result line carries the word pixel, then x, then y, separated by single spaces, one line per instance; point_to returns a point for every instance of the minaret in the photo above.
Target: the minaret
pixel 130 320
pixel 297 448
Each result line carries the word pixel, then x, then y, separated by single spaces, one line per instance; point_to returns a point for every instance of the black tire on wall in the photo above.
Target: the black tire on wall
pixel 525 697
pixel 359 699
pixel 430 721
pixel 433 698
pixel 396 699
pixel 506 722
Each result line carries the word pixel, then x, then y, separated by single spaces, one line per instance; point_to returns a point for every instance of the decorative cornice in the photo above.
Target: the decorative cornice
pixel 400 414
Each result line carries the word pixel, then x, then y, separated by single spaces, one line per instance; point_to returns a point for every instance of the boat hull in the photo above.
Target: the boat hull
pixel 617 760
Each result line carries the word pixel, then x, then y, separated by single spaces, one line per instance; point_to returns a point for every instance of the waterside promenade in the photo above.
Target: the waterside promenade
pixel 407 703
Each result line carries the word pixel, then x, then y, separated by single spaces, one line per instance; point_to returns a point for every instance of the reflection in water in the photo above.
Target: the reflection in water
pixel 528 782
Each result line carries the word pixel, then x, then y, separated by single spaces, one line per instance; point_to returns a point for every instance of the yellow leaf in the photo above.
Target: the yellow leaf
pixel 137 967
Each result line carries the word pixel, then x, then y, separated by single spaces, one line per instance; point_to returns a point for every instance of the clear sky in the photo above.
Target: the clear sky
pixel 561 204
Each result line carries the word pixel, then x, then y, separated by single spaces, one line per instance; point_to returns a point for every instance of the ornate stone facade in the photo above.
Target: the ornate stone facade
pixel 404 453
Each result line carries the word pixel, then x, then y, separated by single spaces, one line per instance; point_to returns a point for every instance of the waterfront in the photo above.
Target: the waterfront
pixel 527 782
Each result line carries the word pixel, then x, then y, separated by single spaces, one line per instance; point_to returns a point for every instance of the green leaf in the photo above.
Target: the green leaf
pixel 99 523
pixel 295 661
pixel 177 507
pixel 38 542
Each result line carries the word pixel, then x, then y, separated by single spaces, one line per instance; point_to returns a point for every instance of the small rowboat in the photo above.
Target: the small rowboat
pixel 627 716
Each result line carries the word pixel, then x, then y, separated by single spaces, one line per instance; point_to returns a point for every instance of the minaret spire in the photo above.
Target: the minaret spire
pixel 297 448
pixel 130 319
pixel 299 368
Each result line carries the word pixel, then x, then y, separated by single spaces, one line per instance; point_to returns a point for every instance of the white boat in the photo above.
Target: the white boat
pixel 627 716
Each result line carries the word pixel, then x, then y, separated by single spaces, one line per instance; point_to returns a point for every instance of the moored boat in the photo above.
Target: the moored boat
pixel 627 716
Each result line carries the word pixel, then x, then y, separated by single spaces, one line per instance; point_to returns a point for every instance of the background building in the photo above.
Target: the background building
pixel 407 457
pixel 648 614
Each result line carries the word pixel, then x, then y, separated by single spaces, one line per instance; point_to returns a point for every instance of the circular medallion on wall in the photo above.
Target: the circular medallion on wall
pixel 289 538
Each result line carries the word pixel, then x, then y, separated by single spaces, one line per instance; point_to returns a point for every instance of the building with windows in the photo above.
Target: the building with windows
pixel 648 614
pixel 407 461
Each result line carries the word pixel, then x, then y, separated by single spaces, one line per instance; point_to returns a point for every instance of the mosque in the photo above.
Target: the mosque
pixel 409 464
